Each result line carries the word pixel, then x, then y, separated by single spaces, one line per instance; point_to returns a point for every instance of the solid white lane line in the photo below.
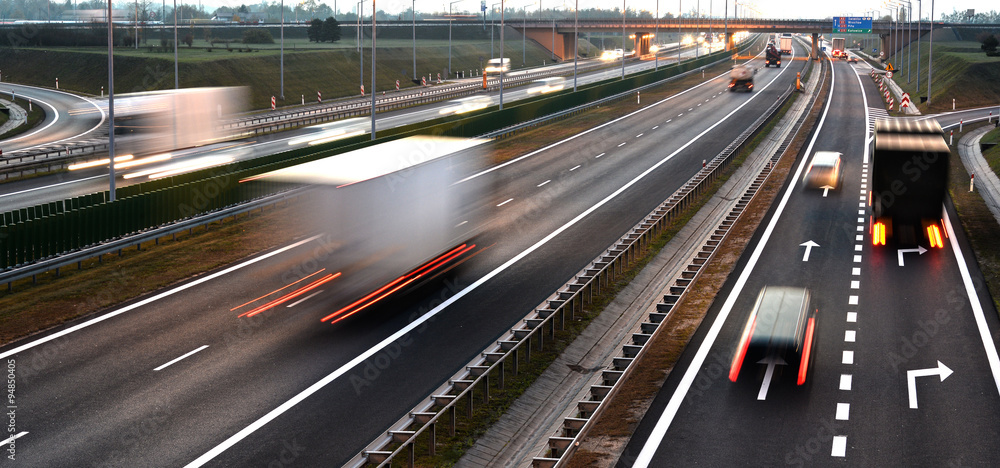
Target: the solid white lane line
pixel 281 409
pixel 864 123
pixel 543 183
pixel 848 357
pixel 154 298
pixel 850 336
pixel 575 167
pixel 304 299
pixel 845 381
pixel 180 358
pixel 977 307
pixel 839 446
pixel 13 438
pixel 54 185
pixel 843 411
pixel 506 202
pixel 852 317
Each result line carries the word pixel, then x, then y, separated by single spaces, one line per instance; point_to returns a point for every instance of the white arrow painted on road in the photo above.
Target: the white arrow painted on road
pixel 808 245
pixel 826 188
pixel 911 379
pixel 771 361
pixel 920 250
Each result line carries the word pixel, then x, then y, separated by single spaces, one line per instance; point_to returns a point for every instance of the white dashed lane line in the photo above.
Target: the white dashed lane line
pixel 639 135
pixel 622 144
pixel 599 155
pixel 547 181
pixel 575 167
pixel 848 357
pixel 843 411
pixel 852 317
pixel 668 120
pixel 845 381
pixel 839 446
pixel 656 127
pixel 506 202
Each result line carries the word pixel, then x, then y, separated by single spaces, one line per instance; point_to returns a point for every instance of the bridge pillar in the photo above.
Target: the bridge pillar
pixel 814 54
pixel 561 45
pixel 730 45
pixel 885 43
pixel 642 43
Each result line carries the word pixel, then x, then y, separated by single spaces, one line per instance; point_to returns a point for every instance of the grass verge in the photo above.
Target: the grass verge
pixel 35 115
pixel 976 219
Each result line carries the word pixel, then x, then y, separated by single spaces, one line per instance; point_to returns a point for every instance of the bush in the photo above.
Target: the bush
pixel 188 39
pixel 257 36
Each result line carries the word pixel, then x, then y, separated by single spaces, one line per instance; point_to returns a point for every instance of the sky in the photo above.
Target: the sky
pixel 791 9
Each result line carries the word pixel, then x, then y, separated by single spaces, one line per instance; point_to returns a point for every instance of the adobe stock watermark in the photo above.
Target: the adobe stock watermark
pixel 365 375
pixel 926 330
pixel 804 453
pixel 10 409
pixel 717 368
pixel 287 454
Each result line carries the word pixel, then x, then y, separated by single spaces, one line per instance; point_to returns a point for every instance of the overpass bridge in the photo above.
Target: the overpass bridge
pixel 558 34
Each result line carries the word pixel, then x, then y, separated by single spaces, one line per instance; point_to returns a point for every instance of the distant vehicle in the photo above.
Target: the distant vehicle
pixel 466 104
pixel 612 54
pixel 772 56
pixel 741 78
pixel 824 170
pixel 497 65
pixel 785 44
pixel 779 330
pixel 547 85
pixel 838 48
pixel 909 180
pixel 853 59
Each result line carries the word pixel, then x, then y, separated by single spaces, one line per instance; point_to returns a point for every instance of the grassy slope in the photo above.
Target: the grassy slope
pixel 961 72
pixel 335 71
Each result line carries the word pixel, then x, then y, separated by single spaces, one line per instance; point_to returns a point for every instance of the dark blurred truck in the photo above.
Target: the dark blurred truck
pixel 909 167
pixel 772 56
pixel 741 78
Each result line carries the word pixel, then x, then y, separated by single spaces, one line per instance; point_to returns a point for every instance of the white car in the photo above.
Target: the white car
pixel 547 85
pixel 824 170
pixel 466 104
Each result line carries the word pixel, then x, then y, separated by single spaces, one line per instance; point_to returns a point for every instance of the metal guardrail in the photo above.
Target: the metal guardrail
pixel 59 261
pixel 568 299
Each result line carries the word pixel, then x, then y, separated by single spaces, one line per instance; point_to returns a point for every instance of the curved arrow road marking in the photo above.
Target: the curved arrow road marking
pixel 920 250
pixel 911 379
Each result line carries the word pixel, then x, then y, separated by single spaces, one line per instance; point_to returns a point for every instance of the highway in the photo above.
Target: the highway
pixel 60 186
pixel 281 385
pixel 905 369
pixel 59 124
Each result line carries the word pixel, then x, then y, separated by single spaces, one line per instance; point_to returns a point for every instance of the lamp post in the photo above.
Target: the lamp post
pixel 656 36
pixel 919 30
pixel 623 39
pixel 450 20
pixel 176 78
pixel 282 66
pixel 373 70
pixel 413 19
pixel 501 55
pixel 111 101
pixel 361 47
pixel 576 38
pixel 930 57
pixel 909 38
pixel 680 36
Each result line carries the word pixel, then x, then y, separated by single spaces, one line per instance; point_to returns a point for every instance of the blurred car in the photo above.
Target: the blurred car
pixel 497 65
pixel 824 170
pixel 853 59
pixel 779 331
pixel 466 104
pixel 547 85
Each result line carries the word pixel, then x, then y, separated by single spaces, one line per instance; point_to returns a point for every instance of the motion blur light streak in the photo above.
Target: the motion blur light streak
pixel 878 234
pixel 804 365
pixel 100 162
pixel 279 289
pixel 741 351
pixel 182 167
pixel 399 283
pixel 934 234
pixel 291 295
pixel 143 161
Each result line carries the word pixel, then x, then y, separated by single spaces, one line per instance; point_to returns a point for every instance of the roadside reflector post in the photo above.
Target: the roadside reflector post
pixel 951 137
pixel 972 182
pixel 952 104
pixel 29 105
pixel 637 97
pixel 960 122
pixel 703 162
pixel 102 91
pixel 303 96
pixel 57 83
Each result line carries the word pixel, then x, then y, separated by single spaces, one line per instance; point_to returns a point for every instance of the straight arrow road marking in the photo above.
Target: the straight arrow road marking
pixel 808 245
pixel 771 362
pixel 911 379
pixel 826 189
pixel 920 250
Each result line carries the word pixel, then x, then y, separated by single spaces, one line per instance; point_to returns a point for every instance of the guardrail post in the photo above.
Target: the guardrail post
pixel 412 454
pixel 527 349
pixel 432 448
pixel 472 391
pixel 515 360
pixel 486 388
pixel 500 383
pixel 451 427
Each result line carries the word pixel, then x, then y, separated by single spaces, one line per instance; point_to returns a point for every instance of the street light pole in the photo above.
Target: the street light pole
pixel 111 103
pixel 623 39
pixel 176 77
pixel 920 13
pixel 909 38
pixel 282 50
pixel 680 36
pixel 501 55
pixel 450 20
pixel 656 36
pixel 413 18
pixel 576 38
pixel 930 57
pixel 372 90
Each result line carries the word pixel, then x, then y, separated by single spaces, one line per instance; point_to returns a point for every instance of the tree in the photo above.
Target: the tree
pixel 990 44
pixel 331 30
pixel 315 30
